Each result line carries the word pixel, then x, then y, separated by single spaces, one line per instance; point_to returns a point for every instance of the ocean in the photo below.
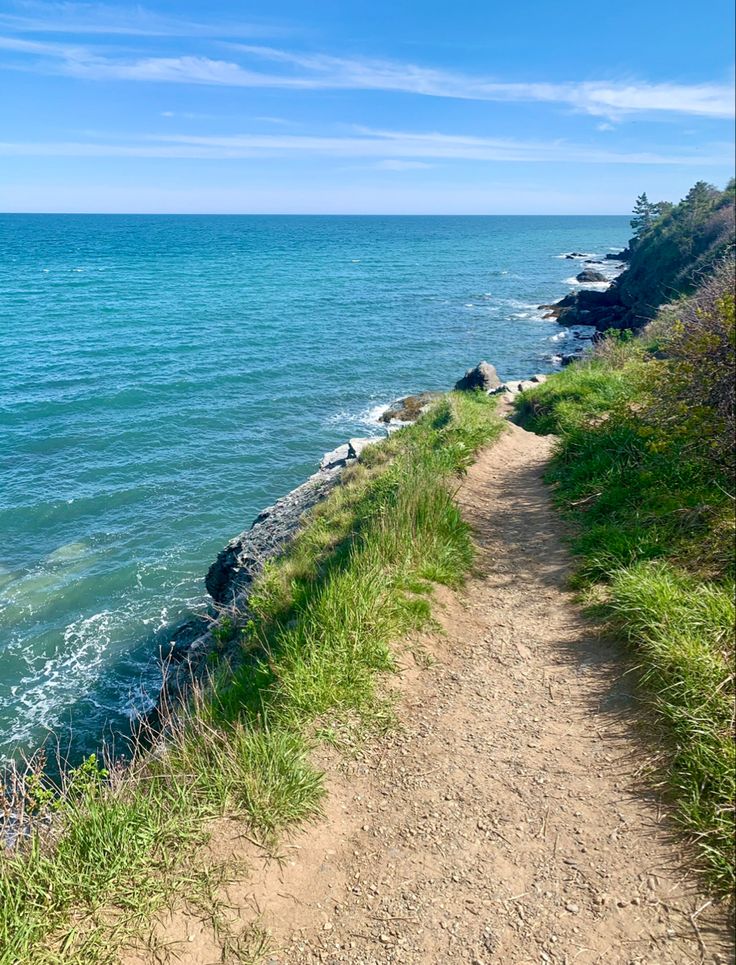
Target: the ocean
pixel 163 378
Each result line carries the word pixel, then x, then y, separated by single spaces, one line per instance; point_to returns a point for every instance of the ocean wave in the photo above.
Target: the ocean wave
pixel 536 316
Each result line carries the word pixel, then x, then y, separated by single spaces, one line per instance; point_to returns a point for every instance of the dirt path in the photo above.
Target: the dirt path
pixel 506 822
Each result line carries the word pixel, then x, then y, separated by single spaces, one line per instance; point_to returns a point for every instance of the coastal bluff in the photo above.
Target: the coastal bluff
pixel 231 575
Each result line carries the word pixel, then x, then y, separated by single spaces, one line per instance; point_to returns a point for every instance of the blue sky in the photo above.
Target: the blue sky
pixel 352 107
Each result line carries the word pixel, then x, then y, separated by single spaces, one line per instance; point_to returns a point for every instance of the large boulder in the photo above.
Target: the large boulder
pixel 483 376
pixel 590 275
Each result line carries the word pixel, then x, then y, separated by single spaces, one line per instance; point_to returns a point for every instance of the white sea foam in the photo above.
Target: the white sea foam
pixel 369 417
pixel 54 682
pixel 372 416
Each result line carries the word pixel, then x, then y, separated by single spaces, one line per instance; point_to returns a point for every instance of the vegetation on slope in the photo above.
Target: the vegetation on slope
pixel 644 467
pixel 322 623
pixel 675 247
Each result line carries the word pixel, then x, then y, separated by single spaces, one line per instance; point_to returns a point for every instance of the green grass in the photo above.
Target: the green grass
pixel 308 656
pixel 580 393
pixel 654 529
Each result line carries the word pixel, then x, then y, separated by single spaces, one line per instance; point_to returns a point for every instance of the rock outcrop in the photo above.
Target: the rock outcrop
pixel 590 275
pixel 483 376
pixel 410 407
pixel 601 309
pixel 237 565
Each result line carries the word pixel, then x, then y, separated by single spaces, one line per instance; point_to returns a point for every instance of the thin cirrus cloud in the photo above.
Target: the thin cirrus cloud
pixel 392 150
pixel 109 20
pixel 296 71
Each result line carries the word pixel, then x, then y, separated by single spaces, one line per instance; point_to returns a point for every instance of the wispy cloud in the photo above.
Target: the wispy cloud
pixel 613 100
pixel 392 149
pixel 110 20
pixel 593 97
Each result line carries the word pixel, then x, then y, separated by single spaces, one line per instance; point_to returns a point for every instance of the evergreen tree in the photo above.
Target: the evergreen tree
pixel 693 212
pixel 699 200
pixel 645 213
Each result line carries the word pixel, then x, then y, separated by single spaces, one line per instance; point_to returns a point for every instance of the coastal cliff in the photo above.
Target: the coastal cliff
pixel 676 246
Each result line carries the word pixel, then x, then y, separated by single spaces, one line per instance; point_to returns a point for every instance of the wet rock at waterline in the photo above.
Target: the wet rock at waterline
pixel 590 275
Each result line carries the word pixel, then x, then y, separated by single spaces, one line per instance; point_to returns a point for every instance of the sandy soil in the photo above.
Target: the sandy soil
pixel 507 821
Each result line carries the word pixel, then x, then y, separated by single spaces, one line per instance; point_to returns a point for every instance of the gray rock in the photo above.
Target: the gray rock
pixel 483 376
pixel 538 379
pixel 356 447
pixel 527 384
pixel 572 357
pixel 243 558
pixel 336 458
pixel 590 275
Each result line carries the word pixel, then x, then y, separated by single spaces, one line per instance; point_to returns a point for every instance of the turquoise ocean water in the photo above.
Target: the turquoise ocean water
pixel 164 378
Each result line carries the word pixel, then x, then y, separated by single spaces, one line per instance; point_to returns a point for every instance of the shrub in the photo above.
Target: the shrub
pixel 694 397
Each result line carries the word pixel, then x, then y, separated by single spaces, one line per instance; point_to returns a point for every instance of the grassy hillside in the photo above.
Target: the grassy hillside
pixel 644 469
pixel 672 255
pixel 107 850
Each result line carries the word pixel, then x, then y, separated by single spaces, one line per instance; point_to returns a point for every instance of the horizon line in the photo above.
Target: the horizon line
pixel 319 214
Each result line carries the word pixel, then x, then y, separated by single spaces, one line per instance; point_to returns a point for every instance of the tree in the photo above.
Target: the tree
pixel 694 209
pixel 700 198
pixel 645 214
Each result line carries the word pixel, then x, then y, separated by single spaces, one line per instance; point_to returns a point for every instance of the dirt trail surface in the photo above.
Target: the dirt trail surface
pixel 506 821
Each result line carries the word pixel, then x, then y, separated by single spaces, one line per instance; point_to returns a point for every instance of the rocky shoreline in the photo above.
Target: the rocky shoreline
pixel 229 579
pixel 600 309
pixel 185 649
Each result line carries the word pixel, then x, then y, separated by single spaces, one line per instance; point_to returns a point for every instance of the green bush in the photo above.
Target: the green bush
pixel 694 397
